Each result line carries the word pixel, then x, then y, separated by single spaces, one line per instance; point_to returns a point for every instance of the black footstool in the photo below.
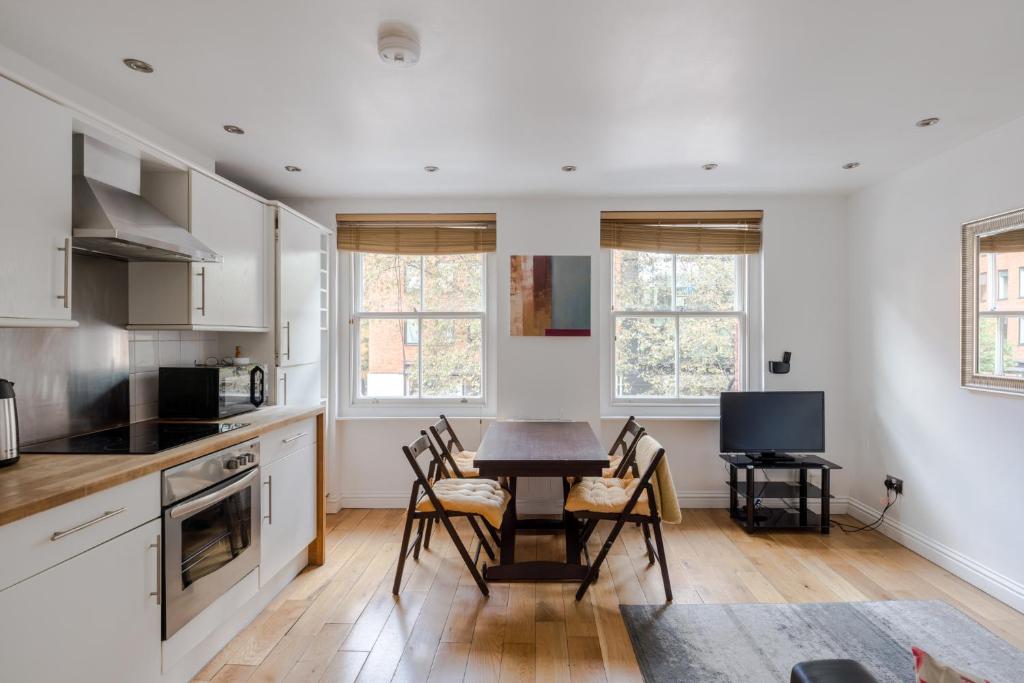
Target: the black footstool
pixel 831 671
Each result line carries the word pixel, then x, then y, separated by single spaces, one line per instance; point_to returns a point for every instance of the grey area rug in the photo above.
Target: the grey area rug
pixel 754 643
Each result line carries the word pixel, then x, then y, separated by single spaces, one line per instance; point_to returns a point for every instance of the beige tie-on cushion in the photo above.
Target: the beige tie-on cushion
pixel 613 464
pixel 483 497
pixel 610 494
pixel 464 461
pixel 605 494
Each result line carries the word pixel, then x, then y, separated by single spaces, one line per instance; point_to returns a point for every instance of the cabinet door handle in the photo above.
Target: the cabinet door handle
pixel 294 438
pixel 269 483
pixel 158 593
pixel 288 340
pixel 284 378
pixel 202 291
pixel 57 535
pixel 66 296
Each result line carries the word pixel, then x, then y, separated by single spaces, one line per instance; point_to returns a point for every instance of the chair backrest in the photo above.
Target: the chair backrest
pixel 419 447
pixel 628 436
pixel 651 460
pixel 413 451
pixel 439 430
pixel 627 439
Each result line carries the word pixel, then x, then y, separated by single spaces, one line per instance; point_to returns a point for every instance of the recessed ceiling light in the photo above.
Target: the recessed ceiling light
pixel 709 167
pixel 138 65
pixel 292 169
pixel 431 169
pixel 233 129
pixel 852 165
pixel 569 168
pixel 928 122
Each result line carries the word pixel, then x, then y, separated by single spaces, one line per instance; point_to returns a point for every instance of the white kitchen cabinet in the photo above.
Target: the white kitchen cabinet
pixel 289 509
pixel 231 295
pixel 299 385
pixel 298 291
pixel 94 617
pixel 228 294
pixel 35 224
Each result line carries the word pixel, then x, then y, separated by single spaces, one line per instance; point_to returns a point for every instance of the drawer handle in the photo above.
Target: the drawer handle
pixel 294 438
pixel 57 535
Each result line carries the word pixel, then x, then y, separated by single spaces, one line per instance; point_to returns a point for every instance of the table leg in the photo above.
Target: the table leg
pixel 572 530
pixel 750 499
pixel 825 514
pixel 803 497
pixel 508 527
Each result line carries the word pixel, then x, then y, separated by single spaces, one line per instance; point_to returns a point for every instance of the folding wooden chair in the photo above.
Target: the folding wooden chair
pixel 624 500
pixel 455 461
pixel 445 498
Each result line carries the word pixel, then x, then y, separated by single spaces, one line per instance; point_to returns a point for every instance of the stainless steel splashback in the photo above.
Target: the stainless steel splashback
pixel 70 381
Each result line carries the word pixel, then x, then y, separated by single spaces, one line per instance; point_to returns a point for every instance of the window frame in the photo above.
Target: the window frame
pixel 747 267
pixel 355 316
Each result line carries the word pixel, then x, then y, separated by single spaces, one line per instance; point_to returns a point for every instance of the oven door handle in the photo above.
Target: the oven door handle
pixel 203 502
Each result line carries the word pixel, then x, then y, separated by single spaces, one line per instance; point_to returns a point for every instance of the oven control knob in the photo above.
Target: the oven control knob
pixel 231 463
pixel 250 457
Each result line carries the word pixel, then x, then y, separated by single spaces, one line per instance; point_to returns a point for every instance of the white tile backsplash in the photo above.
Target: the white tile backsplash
pixel 169 352
pixel 149 349
pixel 142 356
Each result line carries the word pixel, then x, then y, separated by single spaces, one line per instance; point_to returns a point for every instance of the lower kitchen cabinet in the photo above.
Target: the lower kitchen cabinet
pixel 289 509
pixel 94 617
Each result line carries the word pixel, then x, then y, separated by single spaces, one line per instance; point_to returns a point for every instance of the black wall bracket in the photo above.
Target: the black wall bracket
pixel 780 367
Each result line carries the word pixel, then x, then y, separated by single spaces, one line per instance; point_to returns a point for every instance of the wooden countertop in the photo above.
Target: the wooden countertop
pixel 39 482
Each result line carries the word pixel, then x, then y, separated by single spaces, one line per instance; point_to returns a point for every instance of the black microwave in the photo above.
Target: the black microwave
pixel 210 392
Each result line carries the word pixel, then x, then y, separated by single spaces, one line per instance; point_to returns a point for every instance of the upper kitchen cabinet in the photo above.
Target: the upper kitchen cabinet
pixel 35 224
pixel 299 276
pixel 231 295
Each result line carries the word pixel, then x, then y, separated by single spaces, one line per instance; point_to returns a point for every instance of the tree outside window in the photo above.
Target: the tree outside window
pixel 678 325
pixel 418 327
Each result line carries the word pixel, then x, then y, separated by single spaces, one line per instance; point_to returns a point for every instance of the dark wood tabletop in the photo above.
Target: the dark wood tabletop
pixel 540 449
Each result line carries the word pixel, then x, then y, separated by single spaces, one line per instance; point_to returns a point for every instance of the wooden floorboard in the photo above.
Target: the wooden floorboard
pixel 339 623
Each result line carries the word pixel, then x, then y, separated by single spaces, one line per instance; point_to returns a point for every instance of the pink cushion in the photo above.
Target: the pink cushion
pixel 930 670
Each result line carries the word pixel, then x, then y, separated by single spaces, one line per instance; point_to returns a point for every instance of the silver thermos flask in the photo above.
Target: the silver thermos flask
pixel 8 424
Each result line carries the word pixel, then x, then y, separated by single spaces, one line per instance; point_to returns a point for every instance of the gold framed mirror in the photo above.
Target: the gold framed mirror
pixel 992 303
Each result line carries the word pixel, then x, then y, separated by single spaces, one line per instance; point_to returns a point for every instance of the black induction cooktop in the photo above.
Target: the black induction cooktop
pixel 139 438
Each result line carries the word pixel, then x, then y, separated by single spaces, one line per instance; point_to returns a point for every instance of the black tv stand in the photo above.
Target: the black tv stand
pixel 770 457
pixel 755 514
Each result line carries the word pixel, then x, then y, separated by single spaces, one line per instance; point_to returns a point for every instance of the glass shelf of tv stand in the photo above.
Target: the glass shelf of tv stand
pixel 800 461
pixel 776 489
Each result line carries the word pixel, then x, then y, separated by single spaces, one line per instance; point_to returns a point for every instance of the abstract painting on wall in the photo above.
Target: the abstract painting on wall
pixel 550 296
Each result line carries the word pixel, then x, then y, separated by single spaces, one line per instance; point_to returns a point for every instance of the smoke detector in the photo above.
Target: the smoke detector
pixel 398 47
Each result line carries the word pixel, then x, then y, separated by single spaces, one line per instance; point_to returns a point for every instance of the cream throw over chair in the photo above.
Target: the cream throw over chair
pixel 647 499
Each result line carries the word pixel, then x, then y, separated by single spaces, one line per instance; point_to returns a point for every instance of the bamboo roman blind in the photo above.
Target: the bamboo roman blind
pixel 683 232
pixel 417 233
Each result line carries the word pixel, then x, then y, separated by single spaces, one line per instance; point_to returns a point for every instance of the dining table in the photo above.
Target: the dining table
pixel 514 449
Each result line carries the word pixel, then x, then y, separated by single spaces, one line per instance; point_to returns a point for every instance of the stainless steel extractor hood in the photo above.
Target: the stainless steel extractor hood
pixel 113 221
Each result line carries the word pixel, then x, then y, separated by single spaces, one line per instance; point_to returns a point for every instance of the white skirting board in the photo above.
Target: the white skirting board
pixel 992 582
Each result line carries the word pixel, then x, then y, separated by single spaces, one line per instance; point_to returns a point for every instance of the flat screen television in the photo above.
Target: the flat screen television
pixel 771 423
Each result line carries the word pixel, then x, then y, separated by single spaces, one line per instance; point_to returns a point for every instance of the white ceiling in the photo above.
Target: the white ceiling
pixel 638 94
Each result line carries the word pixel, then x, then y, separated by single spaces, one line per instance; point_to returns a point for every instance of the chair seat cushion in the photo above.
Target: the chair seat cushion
pixel 483 497
pixel 464 461
pixel 613 463
pixel 831 671
pixel 605 494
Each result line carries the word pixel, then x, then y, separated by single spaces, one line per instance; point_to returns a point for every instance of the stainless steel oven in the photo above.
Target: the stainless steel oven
pixel 211 524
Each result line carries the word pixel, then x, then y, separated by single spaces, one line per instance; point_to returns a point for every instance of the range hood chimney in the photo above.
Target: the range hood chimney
pixel 109 217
